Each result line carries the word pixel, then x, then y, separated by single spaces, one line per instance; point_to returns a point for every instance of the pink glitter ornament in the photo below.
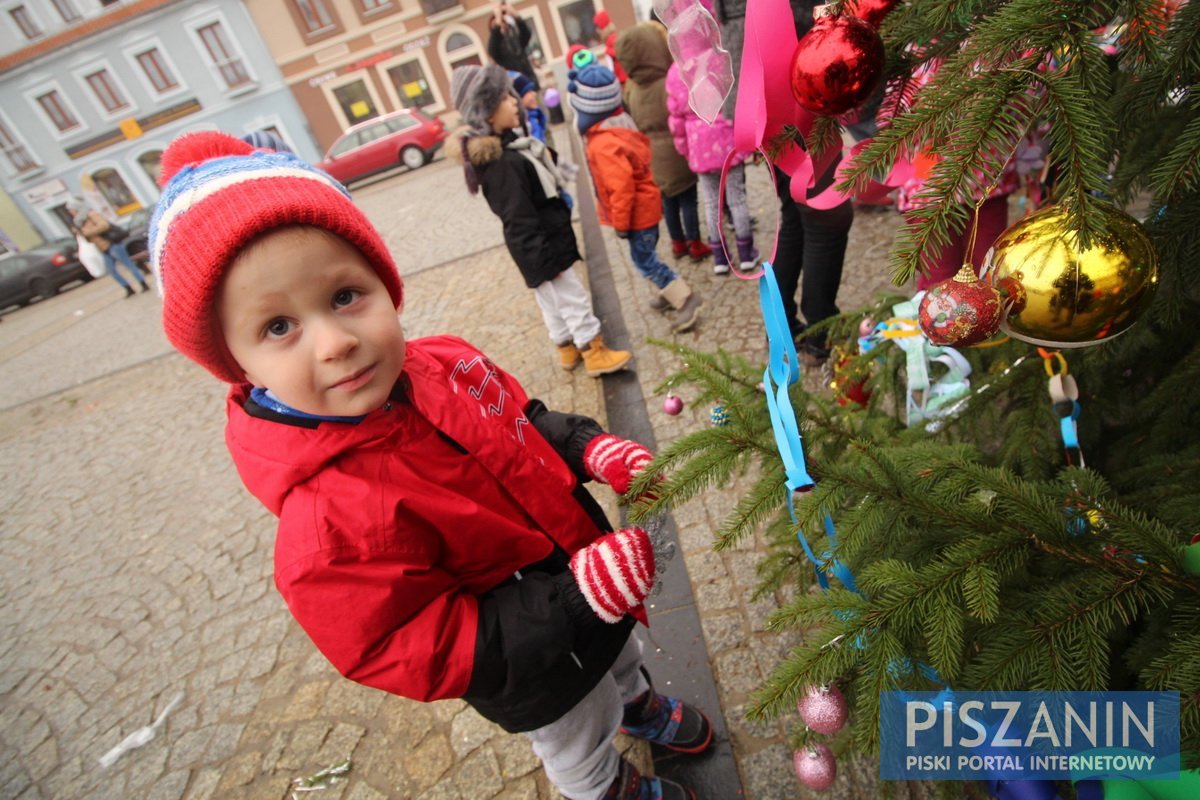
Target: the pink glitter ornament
pixel 815 766
pixel 672 405
pixel 823 709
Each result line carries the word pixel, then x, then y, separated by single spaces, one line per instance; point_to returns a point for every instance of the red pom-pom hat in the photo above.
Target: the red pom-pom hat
pixel 219 193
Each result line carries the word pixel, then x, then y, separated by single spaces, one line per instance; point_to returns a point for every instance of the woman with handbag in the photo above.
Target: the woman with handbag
pixel 94 227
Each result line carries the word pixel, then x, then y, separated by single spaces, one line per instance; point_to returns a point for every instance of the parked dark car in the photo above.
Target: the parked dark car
pixel 138 225
pixel 40 272
pixel 405 137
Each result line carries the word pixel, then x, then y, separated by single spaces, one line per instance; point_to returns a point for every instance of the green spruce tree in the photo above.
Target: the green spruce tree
pixel 976 548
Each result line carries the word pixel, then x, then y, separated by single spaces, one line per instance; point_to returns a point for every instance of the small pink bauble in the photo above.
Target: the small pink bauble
pixel 866 327
pixel 673 405
pixel 815 766
pixel 823 709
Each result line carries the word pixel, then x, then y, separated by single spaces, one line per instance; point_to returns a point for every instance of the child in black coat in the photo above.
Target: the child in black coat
pixel 520 179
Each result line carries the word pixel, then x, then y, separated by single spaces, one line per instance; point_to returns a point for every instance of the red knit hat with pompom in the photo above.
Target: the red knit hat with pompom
pixel 218 194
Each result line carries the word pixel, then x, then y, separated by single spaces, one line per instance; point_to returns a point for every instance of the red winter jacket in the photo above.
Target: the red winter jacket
pixel 424 549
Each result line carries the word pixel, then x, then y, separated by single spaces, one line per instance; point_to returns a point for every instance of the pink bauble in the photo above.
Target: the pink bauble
pixel 551 98
pixel 960 311
pixel 815 766
pixel 672 405
pixel 823 709
pixel 866 327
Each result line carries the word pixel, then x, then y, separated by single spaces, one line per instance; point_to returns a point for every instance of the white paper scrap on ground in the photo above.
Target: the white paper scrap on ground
pixel 141 736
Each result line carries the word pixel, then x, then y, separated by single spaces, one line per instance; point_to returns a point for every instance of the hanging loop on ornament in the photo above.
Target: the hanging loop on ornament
pixel 1048 359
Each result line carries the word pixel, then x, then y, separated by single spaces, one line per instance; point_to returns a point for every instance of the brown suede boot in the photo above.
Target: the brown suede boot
pixel 599 360
pixel 685 302
pixel 569 356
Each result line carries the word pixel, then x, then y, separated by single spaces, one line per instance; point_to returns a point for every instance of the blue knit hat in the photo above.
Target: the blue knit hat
pixel 595 94
pixel 521 84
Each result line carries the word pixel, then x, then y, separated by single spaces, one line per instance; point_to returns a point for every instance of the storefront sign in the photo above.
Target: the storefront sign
pixel 43 192
pixel 416 44
pixel 319 79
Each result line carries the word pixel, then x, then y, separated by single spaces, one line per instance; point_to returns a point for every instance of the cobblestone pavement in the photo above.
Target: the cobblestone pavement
pixel 137 567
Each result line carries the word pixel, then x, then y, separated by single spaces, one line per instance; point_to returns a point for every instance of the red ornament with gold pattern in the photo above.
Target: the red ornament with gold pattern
pixel 836 65
pixel 960 311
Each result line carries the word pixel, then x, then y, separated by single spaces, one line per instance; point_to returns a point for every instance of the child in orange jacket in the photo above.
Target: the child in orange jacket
pixel 627 199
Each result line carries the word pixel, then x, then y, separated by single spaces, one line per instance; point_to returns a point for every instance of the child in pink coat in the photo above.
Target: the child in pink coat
pixel 705 147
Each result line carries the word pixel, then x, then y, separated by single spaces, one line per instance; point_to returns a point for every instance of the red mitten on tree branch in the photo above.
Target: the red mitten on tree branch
pixel 615 461
pixel 615 572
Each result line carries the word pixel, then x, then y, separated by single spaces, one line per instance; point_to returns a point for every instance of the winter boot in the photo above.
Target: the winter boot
pixel 659 304
pixel 747 253
pixel 679 248
pixel 667 721
pixel 720 260
pixel 698 250
pixel 599 360
pixel 630 785
pixel 145 287
pixel 569 356
pixel 128 292
pixel 685 302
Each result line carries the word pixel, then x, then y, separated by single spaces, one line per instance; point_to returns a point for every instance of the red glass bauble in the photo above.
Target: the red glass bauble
pixel 823 709
pixel 871 12
pixel 815 766
pixel 836 65
pixel 960 311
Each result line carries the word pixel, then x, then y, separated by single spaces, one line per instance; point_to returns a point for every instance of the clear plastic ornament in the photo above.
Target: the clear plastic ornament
pixel 695 41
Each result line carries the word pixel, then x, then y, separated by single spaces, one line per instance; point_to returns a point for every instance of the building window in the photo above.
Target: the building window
pixel 18 157
pixel 66 10
pixel 57 111
pixel 106 91
pixel 157 70
pixel 412 87
pixel 436 6
pixel 116 191
pixel 461 50
pixel 356 101
pixel 151 164
pixel 371 6
pixel 577 24
pixel 223 56
pixel 25 22
pixel 315 15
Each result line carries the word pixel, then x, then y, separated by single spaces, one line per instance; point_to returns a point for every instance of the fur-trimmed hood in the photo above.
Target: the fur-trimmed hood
pixel 480 150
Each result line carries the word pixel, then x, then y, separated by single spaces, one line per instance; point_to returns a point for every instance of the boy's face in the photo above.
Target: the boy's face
pixel 305 316
pixel 506 115
pixel 530 100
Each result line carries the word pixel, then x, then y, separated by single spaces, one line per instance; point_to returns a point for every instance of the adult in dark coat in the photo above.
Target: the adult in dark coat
pixel 812 242
pixel 508 40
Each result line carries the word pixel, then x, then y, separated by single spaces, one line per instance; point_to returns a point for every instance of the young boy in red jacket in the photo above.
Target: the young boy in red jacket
pixel 435 539
pixel 627 198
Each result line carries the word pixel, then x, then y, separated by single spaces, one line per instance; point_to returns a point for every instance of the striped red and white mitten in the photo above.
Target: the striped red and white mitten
pixel 615 461
pixel 615 572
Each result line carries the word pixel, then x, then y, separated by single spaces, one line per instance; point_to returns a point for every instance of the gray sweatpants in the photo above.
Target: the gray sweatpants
pixel 735 193
pixel 577 748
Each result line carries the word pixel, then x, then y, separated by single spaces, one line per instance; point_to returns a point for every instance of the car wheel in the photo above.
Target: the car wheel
pixel 42 288
pixel 412 157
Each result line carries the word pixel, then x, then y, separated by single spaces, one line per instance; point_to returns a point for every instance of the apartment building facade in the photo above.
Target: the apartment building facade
pixel 347 61
pixel 91 92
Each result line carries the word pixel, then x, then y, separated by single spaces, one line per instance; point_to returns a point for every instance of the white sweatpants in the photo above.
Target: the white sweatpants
pixel 577 748
pixel 567 309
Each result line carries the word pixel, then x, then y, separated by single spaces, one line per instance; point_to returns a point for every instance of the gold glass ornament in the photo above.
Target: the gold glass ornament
pixel 1062 296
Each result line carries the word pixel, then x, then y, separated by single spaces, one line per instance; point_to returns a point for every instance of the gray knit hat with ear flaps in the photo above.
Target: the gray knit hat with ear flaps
pixel 477 92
